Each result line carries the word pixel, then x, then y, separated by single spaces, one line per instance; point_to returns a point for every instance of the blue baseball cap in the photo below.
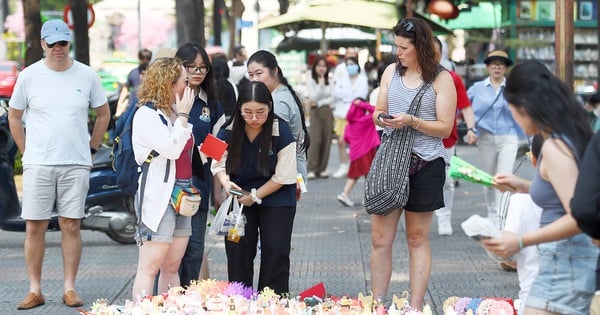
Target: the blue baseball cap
pixel 55 31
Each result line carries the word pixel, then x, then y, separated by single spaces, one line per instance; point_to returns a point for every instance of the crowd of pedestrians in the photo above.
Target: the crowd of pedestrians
pixel 188 96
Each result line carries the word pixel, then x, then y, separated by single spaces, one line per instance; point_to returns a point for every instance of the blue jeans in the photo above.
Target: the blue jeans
pixel 192 259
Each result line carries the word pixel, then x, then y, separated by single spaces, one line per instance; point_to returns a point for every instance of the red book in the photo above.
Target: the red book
pixel 213 147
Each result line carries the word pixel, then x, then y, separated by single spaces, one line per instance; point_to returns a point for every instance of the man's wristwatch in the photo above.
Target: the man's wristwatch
pixel 93 151
pixel 472 129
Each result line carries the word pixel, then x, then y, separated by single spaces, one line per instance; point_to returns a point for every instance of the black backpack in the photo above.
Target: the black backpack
pixel 124 163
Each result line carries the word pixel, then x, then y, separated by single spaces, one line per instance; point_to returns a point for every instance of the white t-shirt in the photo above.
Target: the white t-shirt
pixel 56 105
pixel 524 216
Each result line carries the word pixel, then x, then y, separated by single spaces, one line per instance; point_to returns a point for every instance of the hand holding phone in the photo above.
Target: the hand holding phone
pixel 386 116
pixel 238 192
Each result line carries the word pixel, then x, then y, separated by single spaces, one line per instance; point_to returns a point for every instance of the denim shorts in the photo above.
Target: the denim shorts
pixel 565 282
pixel 171 225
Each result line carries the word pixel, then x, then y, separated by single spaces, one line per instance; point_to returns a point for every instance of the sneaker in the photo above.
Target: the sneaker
pixel 444 225
pixel 31 300
pixel 311 175
pixel 342 171
pixel 345 200
pixel 324 175
pixel 72 299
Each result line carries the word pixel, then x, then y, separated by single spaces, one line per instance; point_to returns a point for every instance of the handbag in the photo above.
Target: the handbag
pixel 387 184
pixel 185 200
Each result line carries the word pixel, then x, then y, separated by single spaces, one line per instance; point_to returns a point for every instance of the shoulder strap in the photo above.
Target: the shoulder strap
pixel 491 106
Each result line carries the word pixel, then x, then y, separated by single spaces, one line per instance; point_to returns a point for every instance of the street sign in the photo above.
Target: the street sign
pixel 68 16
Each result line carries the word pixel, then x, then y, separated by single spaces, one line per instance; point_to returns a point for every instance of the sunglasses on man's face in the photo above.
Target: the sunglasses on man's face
pixel 62 43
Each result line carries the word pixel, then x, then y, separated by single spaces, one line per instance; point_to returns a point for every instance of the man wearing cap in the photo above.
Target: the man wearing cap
pixel 57 152
pixel 496 129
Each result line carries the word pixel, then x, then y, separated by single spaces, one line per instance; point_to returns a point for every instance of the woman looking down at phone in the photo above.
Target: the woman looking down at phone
pixel 261 159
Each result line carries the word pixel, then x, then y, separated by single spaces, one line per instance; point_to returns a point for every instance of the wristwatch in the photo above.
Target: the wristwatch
pixel 472 129
pixel 93 151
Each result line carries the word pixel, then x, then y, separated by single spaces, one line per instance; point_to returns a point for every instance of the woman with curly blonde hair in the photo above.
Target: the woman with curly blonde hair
pixel 160 125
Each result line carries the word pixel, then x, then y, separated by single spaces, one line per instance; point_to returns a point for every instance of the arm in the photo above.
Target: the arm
pixel 560 169
pixel 15 121
pixel 123 102
pixel 469 117
pixel 445 108
pixel 102 120
pixel 382 106
pixel 585 205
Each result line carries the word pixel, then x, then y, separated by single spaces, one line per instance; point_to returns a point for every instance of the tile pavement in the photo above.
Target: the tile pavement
pixel 331 243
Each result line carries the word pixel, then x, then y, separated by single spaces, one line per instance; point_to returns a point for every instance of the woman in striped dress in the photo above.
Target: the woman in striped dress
pixel 417 64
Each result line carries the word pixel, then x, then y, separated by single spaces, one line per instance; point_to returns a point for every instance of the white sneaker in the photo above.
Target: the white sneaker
pixel 342 171
pixel 345 200
pixel 311 175
pixel 444 225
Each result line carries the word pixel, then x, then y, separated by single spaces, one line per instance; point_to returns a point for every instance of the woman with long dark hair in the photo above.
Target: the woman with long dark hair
pixel 207 116
pixel 542 103
pixel 261 160
pixel 320 101
pixel 263 67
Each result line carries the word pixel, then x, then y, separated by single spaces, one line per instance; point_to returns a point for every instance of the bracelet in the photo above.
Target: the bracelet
pixel 186 115
pixel 520 242
pixel 418 125
pixel 254 196
pixel 412 122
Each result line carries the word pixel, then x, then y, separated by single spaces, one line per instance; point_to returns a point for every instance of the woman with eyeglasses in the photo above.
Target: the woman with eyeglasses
pixel 263 67
pixel 162 127
pixel 417 66
pixel 261 160
pixel 207 116
pixel 497 130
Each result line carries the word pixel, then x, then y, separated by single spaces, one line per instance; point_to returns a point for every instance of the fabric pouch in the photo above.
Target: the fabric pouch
pixel 416 164
pixel 185 200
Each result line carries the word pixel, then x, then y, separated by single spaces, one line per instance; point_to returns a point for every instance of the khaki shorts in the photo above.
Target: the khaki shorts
pixel 45 186
pixel 338 127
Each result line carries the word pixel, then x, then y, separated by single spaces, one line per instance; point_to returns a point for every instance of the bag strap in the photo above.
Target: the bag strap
pixel 491 106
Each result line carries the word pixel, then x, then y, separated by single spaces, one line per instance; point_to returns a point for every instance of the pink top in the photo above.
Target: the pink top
pixel 360 132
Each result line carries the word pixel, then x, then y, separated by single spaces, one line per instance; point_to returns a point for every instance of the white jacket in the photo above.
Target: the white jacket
pixel 150 133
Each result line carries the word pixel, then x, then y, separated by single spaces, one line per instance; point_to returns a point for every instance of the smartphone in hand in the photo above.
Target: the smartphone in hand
pixel 239 192
pixel 386 116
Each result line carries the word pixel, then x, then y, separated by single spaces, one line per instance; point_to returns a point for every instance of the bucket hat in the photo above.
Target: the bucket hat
pixel 498 55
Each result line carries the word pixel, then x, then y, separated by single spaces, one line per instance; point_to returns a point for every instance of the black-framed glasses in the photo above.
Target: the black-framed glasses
pixel 193 69
pixel 62 43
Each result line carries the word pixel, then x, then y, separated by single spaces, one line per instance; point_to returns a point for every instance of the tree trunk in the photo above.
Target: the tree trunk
pixel 33 26
pixel 218 9
pixel 81 42
pixel 190 21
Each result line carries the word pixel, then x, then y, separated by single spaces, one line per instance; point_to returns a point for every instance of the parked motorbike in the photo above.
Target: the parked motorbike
pixel 107 209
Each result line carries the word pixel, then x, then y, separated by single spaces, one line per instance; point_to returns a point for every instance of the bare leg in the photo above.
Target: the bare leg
pixel 150 258
pixel 417 236
pixel 343 155
pixel 34 248
pixel 350 182
pixel 71 249
pixel 383 233
pixel 535 311
pixel 169 270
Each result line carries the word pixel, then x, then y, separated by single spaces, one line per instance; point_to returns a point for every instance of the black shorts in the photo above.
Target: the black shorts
pixel 427 187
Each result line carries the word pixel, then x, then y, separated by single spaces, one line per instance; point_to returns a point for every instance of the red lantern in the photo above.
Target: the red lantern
pixel 445 9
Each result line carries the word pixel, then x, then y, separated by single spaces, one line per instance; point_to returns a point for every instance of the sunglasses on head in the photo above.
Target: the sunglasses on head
pixel 408 27
pixel 62 43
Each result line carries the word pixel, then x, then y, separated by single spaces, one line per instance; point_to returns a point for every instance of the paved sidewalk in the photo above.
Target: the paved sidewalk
pixel 331 243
